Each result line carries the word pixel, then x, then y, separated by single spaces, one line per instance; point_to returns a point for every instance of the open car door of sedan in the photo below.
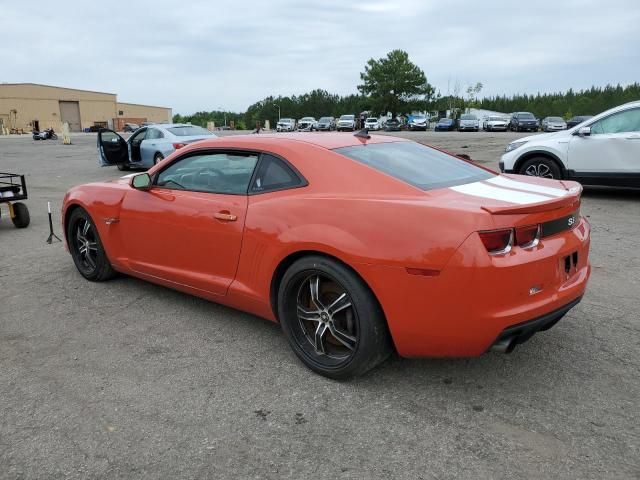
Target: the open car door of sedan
pixel 112 148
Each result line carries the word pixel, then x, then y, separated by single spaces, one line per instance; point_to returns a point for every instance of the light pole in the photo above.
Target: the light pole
pixel 278 110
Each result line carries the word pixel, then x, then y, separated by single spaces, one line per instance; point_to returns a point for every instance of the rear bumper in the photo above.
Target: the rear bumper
pixel 520 333
pixel 466 307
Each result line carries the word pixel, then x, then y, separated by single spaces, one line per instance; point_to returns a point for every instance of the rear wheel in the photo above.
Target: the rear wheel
pixel 122 166
pixel 86 248
pixel 331 319
pixel 158 157
pixel 541 167
pixel 21 217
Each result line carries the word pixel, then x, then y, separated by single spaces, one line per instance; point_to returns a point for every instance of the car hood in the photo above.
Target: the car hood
pixel 542 137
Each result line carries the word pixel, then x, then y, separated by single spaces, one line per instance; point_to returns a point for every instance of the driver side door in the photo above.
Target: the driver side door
pixel 187 229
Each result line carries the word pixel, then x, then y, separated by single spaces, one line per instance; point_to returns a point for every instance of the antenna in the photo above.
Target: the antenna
pixel 364 133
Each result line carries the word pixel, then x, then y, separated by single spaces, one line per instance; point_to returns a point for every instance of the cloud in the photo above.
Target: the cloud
pixel 204 55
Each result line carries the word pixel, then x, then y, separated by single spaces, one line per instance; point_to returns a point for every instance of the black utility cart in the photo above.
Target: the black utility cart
pixel 12 189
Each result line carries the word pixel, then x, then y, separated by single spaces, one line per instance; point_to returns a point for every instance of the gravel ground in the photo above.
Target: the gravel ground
pixel 126 379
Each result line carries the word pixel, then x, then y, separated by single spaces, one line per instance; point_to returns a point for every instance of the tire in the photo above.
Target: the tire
pixel 21 218
pixel 354 338
pixel 122 167
pixel 541 167
pixel 54 137
pixel 86 248
pixel 158 157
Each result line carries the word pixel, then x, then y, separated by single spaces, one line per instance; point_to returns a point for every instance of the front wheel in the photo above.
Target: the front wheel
pixel 158 157
pixel 541 167
pixel 331 319
pixel 86 248
pixel 122 167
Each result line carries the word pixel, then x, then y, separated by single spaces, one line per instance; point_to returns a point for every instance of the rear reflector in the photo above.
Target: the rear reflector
pixel 425 272
pixel 497 242
pixel 179 145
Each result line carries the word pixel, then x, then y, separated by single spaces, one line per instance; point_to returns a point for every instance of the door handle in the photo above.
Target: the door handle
pixel 225 216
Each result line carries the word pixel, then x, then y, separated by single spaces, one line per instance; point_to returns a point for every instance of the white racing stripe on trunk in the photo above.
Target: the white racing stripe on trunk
pixel 479 189
pixel 510 183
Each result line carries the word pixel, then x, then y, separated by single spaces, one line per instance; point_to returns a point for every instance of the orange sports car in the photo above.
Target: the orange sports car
pixel 358 246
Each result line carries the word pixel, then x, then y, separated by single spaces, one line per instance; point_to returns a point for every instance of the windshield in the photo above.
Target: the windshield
pixel 468 117
pixel 526 116
pixel 325 119
pixel 416 164
pixel 285 120
pixel 555 119
pixel 495 119
pixel 189 131
pixel 308 119
pixel 445 120
pixel 346 117
pixel 419 117
pixel 371 120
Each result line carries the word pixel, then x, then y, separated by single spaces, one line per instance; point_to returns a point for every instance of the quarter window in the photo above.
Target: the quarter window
pixel 274 174
pixel 621 122
pixel 225 173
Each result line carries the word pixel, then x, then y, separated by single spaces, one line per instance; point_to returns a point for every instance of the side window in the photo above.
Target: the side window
pixel 622 122
pixel 274 174
pixel 220 172
pixel 137 139
pixel 154 134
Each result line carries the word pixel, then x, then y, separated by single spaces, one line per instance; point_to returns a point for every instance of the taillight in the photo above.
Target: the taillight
pixel 179 145
pixel 497 242
pixel 527 237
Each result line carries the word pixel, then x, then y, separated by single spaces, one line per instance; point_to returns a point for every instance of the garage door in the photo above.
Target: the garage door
pixel 70 113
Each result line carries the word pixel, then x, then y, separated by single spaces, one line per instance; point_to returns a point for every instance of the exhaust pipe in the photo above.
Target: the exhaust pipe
pixel 506 345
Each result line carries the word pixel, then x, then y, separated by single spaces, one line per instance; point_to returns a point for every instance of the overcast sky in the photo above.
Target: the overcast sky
pixel 205 55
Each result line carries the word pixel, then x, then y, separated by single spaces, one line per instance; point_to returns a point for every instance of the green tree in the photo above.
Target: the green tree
pixel 394 84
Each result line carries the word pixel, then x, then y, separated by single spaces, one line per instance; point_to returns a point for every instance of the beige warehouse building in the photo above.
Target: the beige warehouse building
pixel 24 106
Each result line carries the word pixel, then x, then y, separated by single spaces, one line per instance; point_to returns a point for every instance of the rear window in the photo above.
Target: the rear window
pixel 526 116
pixel 468 117
pixel 189 130
pixel 416 164
pixel 346 117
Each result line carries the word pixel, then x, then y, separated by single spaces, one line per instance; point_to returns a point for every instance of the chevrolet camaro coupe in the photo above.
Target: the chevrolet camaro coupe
pixel 358 245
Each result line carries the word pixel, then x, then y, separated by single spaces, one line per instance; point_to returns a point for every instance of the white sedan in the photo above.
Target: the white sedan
pixel 604 150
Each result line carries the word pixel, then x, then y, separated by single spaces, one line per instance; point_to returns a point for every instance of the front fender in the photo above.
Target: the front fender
pixel 103 203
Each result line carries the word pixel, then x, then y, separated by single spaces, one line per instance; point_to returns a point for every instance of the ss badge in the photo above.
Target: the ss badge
pixel 571 220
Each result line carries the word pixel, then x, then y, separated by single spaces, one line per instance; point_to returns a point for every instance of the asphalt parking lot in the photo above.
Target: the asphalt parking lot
pixel 126 379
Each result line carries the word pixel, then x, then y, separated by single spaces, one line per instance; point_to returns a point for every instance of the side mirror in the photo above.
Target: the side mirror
pixel 141 181
pixel 584 131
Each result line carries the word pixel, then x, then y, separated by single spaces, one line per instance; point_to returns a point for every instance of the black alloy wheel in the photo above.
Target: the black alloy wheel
pixel 86 248
pixel 331 319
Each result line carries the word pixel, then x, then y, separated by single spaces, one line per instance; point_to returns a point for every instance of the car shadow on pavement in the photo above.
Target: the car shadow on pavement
pixel 611 193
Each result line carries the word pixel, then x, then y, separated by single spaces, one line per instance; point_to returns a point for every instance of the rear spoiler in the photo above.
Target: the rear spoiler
pixel 572 198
